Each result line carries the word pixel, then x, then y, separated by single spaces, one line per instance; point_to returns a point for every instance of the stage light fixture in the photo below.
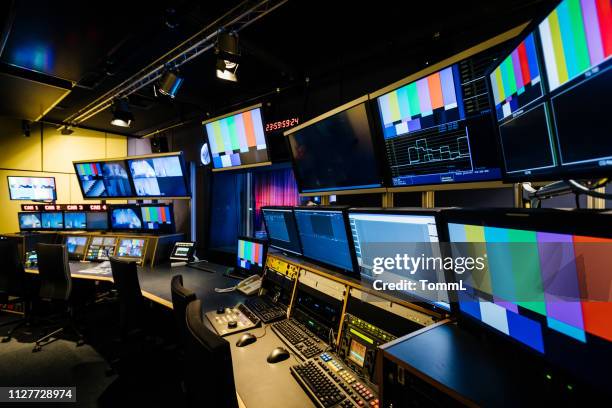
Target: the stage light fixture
pixel 169 83
pixel 228 55
pixel 66 131
pixel 122 116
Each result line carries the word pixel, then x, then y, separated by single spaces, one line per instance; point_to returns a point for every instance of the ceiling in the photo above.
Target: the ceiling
pixel 60 56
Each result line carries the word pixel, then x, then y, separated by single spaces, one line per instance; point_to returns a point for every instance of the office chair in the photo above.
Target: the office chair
pixel 13 288
pixel 132 310
pixel 209 374
pixel 181 297
pixel 56 286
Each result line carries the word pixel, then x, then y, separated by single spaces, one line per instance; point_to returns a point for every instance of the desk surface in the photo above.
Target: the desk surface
pixel 258 383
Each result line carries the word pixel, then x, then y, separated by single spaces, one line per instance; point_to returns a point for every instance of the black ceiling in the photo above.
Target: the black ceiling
pixel 350 47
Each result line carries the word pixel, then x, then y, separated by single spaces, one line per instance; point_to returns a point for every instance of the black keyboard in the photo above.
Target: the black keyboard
pixel 299 337
pixel 208 267
pixel 319 387
pixel 266 311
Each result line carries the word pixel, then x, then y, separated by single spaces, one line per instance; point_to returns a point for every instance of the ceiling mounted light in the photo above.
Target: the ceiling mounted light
pixel 66 131
pixel 169 83
pixel 121 114
pixel 227 70
pixel 228 55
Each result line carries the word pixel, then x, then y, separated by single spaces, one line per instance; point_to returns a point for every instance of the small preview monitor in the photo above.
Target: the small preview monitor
pixel 101 248
pixel 325 237
pixel 131 248
pixel 109 179
pixel 380 235
pixel 157 218
pixel 97 220
pixel 162 176
pixel 357 353
pixel 251 255
pixel 125 218
pixel 75 220
pixel 281 228
pixel 29 221
pixel 237 139
pixel 53 220
pixel 336 151
pixel 32 188
pixel 182 251
pixel 76 246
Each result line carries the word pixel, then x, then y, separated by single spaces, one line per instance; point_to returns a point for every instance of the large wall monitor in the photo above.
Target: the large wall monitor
pixel 52 220
pixel 550 94
pixel 335 151
pixel 282 229
pixel 76 220
pixel 32 188
pixel 97 221
pixel 125 218
pixel 29 221
pixel 157 217
pixel 237 139
pixel 161 176
pixel 104 179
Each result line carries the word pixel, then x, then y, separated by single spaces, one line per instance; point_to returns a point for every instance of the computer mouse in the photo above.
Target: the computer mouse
pixel 246 339
pixel 277 355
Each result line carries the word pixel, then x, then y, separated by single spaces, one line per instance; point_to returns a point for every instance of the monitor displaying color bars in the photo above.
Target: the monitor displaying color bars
pixel 157 218
pixel 251 255
pixel 237 140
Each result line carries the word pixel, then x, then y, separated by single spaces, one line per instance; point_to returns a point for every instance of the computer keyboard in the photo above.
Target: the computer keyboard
pixel 298 337
pixel 266 311
pixel 319 386
pixel 208 267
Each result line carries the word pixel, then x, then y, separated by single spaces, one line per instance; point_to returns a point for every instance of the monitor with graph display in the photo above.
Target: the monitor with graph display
pixel 547 87
pixel 437 129
pixel 108 179
pixel 157 217
pixel 162 176
pixel 251 255
pixel 545 284
pixel 237 139
pixel 32 188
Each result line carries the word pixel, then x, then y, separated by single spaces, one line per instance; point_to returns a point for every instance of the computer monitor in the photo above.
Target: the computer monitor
pixel 133 248
pixel 384 234
pixel 237 139
pixel 549 92
pixel 335 151
pixel 164 176
pixel 76 246
pixel 29 221
pixel 125 218
pixel 52 220
pixel 97 220
pixel 32 188
pixel 157 218
pixel 281 229
pixel 75 220
pixel 325 237
pixel 251 255
pixel 545 286
pixel 101 248
pixel 437 129
pixel 108 179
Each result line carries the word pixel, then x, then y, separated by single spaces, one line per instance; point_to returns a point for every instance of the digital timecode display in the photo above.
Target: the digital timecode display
pixel 282 124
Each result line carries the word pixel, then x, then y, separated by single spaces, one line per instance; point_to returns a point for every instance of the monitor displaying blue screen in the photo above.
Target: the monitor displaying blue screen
pixel 282 230
pixel 324 237
pixel 104 179
pixel 29 221
pixel 159 176
pixel 76 245
pixel 97 220
pixel 52 220
pixel 384 235
pixel 75 220
pixel 125 218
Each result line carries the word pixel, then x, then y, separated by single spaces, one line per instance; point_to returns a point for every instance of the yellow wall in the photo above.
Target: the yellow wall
pixel 50 154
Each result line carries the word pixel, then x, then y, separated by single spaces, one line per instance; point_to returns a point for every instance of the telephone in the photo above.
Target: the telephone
pixel 250 285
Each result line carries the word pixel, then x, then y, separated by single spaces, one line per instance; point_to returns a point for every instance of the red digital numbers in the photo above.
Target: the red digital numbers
pixel 282 124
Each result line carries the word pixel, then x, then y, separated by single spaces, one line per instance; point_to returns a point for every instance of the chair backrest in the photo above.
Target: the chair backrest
pixel 131 302
pixel 209 375
pixel 12 275
pixel 181 297
pixel 54 271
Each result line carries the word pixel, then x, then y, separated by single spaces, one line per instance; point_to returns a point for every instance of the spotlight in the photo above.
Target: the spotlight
pixel 227 70
pixel 228 55
pixel 121 114
pixel 169 83
pixel 66 131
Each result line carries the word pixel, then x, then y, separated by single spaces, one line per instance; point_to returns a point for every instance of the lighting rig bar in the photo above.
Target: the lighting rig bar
pixel 235 19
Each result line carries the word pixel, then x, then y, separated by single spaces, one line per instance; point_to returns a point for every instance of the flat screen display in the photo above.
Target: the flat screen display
pixel 32 188
pixel 76 245
pixel 357 353
pixel 125 218
pixel 159 176
pixel 52 220
pixel 75 220
pixel 101 248
pixel 131 248
pixel 29 221
pixel 282 230
pixel 97 220
pixel 157 218
pixel 336 153
pixel 104 179
pixel 237 140
pixel 251 255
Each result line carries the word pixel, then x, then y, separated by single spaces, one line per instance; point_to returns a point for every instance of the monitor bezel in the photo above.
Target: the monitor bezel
pixel 121 238
pixel 42 228
pixel 115 160
pixel 183 165
pixel 98 229
pixel 79 256
pixel 170 228
pixel 270 244
pixel 38 177
pixel 29 212
pixel 135 207
pixel 75 212
pixel 263 242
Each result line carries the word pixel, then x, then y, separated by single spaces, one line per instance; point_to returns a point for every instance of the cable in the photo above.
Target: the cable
pixel 577 198
pixel 265 327
pixel 580 188
pixel 225 290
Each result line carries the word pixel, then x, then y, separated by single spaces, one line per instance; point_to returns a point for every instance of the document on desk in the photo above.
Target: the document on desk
pixel 103 269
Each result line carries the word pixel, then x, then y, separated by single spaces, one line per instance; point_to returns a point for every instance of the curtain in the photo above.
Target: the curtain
pixel 276 187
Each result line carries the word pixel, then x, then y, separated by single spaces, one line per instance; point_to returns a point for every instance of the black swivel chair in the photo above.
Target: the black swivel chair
pixel 56 286
pixel 13 288
pixel 209 375
pixel 132 308
pixel 181 297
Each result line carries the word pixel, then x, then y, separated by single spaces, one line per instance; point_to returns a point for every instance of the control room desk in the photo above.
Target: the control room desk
pixel 258 383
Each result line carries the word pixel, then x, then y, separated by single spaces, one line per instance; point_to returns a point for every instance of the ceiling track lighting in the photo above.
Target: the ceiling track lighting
pixel 169 83
pixel 228 56
pixel 122 116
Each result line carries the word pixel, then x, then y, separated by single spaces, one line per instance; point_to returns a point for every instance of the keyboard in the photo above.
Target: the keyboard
pixel 298 337
pixel 208 267
pixel 266 310
pixel 319 387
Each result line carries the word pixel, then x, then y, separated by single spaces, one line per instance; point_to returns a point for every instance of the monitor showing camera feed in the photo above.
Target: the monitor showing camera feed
pixel 29 221
pixel 282 230
pixel 104 179
pixel 379 236
pixel 237 140
pixel 76 245
pixel 75 220
pixel 32 188
pixel 52 220
pixel 162 176
pixel 357 353
pixel 125 218
pixel 335 153
pixel 157 218
pixel 101 248
pixel 97 220
pixel 131 248
pixel 251 255
pixel 324 238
